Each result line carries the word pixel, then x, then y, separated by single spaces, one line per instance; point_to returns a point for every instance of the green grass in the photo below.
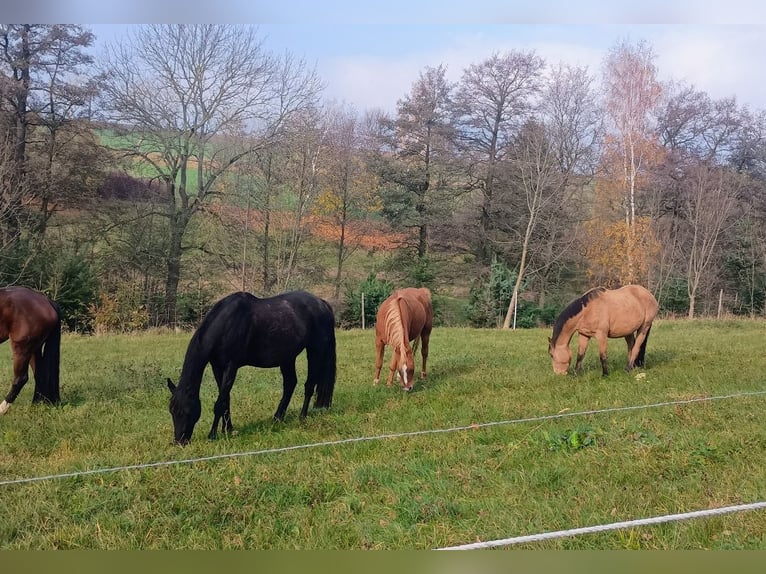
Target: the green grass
pixel 419 492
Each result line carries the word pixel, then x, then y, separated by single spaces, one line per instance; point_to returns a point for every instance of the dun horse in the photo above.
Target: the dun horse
pixel 407 315
pixel 242 329
pixel 33 324
pixel 625 312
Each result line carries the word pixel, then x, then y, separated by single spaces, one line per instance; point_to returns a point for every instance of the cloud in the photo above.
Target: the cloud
pixel 720 60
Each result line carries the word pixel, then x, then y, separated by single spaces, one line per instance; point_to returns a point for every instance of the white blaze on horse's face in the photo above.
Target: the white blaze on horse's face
pixel 405 380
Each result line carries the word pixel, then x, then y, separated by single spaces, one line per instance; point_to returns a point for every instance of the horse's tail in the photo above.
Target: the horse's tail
pixel 326 368
pixel 642 350
pixel 47 370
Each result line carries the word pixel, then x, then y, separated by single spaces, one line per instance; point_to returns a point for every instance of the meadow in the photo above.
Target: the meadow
pixel 394 490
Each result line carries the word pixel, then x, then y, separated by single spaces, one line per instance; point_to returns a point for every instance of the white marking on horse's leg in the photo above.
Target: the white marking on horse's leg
pixel 4 406
pixel 375 381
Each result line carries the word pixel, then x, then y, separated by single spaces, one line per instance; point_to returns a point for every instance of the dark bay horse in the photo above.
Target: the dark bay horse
pixel 33 324
pixel 407 315
pixel 241 330
pixel 625 312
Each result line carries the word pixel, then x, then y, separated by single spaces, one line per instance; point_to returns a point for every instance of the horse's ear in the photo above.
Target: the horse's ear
pixel 549 342
pixel 171 386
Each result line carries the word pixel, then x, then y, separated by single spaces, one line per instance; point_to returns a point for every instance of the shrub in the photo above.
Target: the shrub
pixel 490 296
pixel 375 292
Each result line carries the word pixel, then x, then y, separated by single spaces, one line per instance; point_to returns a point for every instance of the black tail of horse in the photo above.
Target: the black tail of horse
pixel 47 368
pixel 326 367
pixel 642 350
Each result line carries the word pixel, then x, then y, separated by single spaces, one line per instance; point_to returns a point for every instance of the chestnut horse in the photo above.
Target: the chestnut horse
pixel 33 324
pixel 407 315
pixel 625 312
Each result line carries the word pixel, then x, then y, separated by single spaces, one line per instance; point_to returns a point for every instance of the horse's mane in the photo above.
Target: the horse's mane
pixel 395 328
pixel 574 309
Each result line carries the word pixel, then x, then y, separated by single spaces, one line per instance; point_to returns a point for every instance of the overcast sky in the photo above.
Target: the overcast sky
pixel 369 52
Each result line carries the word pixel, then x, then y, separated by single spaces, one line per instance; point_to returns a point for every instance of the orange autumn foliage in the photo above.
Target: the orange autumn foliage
pixel 618 255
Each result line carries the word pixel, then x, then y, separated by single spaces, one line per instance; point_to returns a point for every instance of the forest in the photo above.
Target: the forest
pixel 186 162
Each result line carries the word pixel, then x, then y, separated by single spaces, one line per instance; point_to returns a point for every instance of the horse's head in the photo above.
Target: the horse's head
pixel 185 411
pixel 561 356
pixel 406 367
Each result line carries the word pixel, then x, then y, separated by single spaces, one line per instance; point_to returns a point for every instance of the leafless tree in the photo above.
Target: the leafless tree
pixel 493 100
pixel 709 204
pixel 44 87
pixel 192 100
pixel 554 156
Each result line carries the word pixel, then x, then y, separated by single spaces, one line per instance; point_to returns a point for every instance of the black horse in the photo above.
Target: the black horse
pixel 242 329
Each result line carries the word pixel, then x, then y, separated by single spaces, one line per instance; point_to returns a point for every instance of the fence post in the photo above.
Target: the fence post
pixel 362 309
pixel 720 303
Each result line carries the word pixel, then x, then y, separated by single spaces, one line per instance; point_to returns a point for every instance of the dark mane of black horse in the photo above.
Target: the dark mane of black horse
pixel 244 330
pixel 574 309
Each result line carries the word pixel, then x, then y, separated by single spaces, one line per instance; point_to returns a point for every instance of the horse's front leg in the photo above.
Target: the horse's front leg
pixel 582 346
pixel 20 378
pixel 602 340
pixel 224 377
pixel 392 367
pixel 289 381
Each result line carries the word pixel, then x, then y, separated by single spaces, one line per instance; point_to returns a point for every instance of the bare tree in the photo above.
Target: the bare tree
pixel 709 204
pixel 42 83
pixel 346 183
pixel 304 148
pixel 186 96
pixel 492 101
pixel 553 156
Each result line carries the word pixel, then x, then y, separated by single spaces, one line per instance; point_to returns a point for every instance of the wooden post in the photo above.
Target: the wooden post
pixel 720 303
pixel 362 310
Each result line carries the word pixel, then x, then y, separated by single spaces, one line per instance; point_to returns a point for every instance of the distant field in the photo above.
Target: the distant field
pixel 419 491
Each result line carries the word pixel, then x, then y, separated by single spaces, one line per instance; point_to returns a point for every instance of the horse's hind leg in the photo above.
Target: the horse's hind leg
pixel 636 357
pixel 313 358
pixel 20 377
pixel 41 393
pixel 424 338
pixel 289 381
pixel 631 341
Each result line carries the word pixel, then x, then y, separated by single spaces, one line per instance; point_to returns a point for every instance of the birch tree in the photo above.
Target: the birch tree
pixel 632 92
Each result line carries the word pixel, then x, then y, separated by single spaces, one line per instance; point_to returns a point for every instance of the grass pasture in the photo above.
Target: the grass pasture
pixel 407 492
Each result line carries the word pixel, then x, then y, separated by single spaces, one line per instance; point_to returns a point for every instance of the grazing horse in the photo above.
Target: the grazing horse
pixel 33 324
pixel 407 315
pixel 625 312
pixel 241 330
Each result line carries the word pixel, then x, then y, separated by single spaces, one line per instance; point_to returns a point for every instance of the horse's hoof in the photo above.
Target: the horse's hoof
pixel 375 382
pixel 4 406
